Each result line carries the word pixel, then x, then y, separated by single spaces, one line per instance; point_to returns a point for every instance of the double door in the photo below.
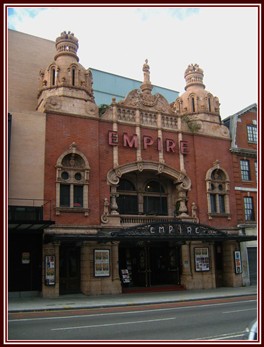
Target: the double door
pixel 151 264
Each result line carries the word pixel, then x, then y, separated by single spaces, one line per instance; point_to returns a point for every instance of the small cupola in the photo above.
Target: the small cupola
pixel 194 76
pixel 67 44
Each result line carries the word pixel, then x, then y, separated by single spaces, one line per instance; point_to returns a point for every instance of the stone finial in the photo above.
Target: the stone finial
pixel 194 76
pixel 146 72
pixel 217 164
pixel 146 86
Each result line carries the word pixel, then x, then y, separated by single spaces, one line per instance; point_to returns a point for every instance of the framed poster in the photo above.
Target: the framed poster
pixel 238 263
pixel 25 258
pixel 101 262
pixel 125 276
pixel 201 256
pixel 50 262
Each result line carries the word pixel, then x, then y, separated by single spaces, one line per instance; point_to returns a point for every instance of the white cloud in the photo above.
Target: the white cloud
pixel 222 40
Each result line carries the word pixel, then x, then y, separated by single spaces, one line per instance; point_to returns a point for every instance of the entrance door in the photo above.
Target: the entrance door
pixel 69 269
pixel 151 264
pixel 164 265
pixel 24 262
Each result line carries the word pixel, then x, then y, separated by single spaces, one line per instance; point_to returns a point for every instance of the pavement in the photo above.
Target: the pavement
pixel 79 301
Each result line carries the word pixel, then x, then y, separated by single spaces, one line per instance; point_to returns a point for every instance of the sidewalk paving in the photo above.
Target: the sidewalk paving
pixel 77 301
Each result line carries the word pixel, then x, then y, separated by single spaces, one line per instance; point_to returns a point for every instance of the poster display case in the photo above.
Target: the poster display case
pixel 201 256
pixel 50 267
pixel 101 262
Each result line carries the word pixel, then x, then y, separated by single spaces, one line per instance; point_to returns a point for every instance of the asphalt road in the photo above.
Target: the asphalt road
pixel 217 319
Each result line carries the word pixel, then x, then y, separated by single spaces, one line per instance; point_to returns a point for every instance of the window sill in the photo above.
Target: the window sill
pixel 60 210
pixel 219 215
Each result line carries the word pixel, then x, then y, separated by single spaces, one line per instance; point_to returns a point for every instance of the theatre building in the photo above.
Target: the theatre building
pixel 142 193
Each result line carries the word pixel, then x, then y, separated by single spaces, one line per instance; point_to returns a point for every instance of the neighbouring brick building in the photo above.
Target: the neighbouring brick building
pixel 139 195
pixel 243 130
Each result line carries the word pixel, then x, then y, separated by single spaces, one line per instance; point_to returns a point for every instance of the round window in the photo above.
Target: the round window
pixel 78 176
pixel 64 175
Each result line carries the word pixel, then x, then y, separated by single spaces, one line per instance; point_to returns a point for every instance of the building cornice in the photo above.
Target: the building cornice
pixel 244 152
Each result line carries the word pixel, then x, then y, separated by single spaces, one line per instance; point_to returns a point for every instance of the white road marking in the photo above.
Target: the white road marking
pixel 223 336
pixel 246 309
pixel 128 312
pixel 115 324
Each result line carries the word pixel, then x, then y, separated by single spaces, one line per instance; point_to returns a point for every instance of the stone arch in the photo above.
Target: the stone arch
pixel 73 150
pixel 180 179
pixel 217 188
pixel 72 181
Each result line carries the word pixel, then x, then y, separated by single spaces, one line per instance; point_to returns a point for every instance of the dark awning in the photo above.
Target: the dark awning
pixel 177 231
pixel 29 226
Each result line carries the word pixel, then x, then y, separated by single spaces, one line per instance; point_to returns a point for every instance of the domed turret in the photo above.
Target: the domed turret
pixel 196 99
pixel 199 108
pixel 65 85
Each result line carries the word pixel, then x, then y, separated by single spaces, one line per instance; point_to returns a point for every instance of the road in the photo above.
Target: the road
pixel 216 319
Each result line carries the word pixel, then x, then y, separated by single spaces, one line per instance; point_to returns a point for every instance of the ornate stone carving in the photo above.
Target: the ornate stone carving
pixel 104 216
pixel 144 101
pixel 52 103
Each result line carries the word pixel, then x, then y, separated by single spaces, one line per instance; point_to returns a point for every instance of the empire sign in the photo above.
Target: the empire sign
pixel 169 145
pixel 176 229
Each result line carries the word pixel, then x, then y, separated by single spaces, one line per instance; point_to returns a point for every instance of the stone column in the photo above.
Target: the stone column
pixel 160 136
pixel 212 269
pixel 138 132
pixel 85 268
pixel 245 266
pixel 113 205
pixel 116 283
pixel 230 278
pixel 115 128
pixel 54 290
pixel 186 276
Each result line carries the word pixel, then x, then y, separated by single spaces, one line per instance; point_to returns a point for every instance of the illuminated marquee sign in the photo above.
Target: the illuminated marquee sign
pixel 147 141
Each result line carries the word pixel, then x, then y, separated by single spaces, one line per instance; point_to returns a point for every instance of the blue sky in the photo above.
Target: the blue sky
pixel 222 40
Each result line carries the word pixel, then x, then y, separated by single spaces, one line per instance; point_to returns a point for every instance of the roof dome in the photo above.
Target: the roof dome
pixel 66 77
pixel 196 99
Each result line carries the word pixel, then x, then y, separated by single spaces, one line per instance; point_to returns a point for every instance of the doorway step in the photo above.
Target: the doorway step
pixel 162 288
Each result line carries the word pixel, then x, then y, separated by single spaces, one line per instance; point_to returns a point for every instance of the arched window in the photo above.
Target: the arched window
pixel 217 191
pixel 193 104
pixel 209 104
pixel 73 72
pixel 127 200
pixel 72 182
pixel 141 194
pixel 155 199
pixel 53 76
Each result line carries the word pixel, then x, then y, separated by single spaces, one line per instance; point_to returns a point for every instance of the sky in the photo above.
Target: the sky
pixel 222 39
